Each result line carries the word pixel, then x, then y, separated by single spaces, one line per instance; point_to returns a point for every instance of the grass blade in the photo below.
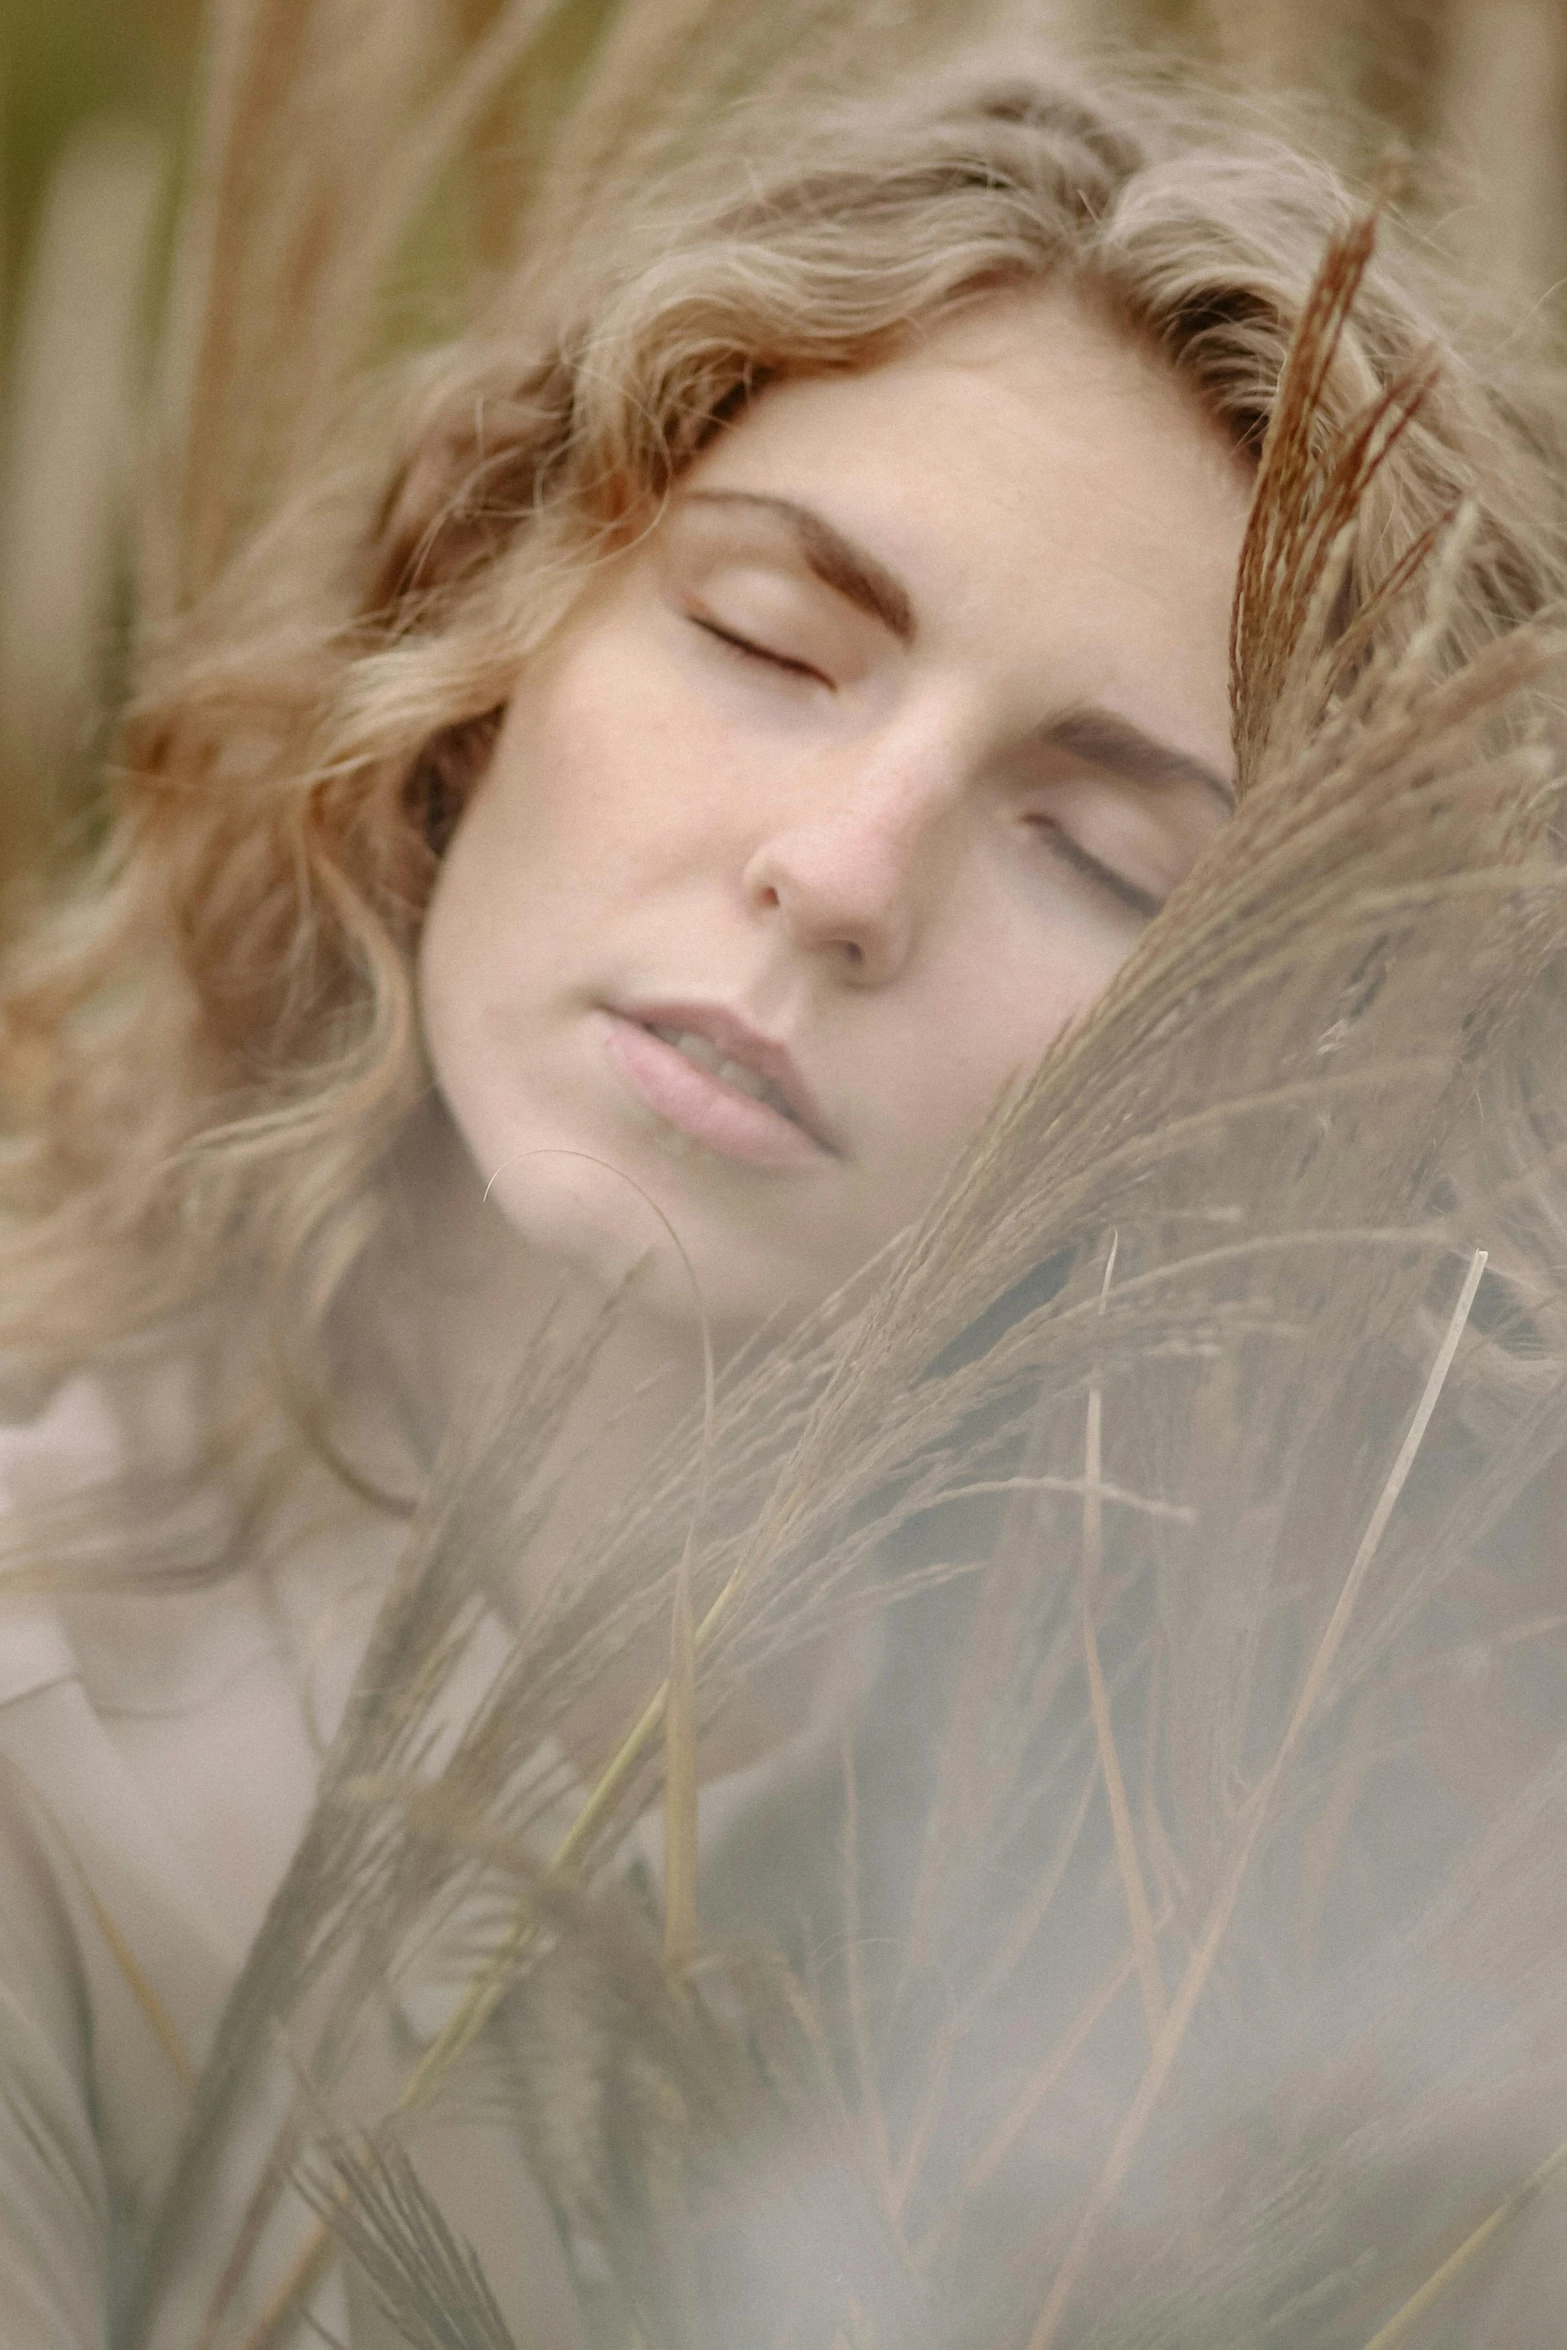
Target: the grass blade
pixel 159 2022
pixel 1200 1966
pixel 680 1779
pixel 1402 2322
pixel 1150 1978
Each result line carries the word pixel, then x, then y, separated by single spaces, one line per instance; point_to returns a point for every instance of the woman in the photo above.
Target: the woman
pixel 577 889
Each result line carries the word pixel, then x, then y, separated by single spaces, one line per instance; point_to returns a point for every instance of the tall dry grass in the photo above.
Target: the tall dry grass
pixel 1180 1458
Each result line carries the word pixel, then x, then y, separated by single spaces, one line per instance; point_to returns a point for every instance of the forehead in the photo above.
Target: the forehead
pixel 1035 386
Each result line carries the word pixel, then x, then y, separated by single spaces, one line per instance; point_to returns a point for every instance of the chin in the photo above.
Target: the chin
pixel 604 1225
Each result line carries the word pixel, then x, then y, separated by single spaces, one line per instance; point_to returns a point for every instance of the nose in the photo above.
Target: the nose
pixel 851 878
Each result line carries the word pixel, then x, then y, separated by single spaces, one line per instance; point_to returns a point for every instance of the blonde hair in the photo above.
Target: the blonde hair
pixel 213 1049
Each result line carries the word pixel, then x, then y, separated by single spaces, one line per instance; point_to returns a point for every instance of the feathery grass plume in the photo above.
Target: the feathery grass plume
pixel 475 1782
pixel 876 1472
pixel 1184 1681
pixel 1303 519
pixel 426 2280
pixel 667 2107
pixel 328 1931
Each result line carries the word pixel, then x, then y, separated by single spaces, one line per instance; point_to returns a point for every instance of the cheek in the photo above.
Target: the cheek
pixel 478 912
pixel 991 1008
pixel 598 780
pixel 559 844
pixel 528 860
pixel 450 980
pixel 1023 967
pixel 492 929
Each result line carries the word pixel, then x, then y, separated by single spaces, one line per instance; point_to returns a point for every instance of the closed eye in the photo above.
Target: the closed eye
pixel 1142 902
pixel 751 651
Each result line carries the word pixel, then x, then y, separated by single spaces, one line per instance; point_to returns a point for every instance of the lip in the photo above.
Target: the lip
pixel 702 1105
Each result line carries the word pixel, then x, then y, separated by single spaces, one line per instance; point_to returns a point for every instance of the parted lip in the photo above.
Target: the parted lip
pixel 737 1040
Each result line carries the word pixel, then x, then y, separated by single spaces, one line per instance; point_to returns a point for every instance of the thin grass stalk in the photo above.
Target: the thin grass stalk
pixel 1150 1977
pixel 158 2020
pixel 867 2074
pixel 490 1985
pixel 281 2303
pixel 922 2128
pixel 680 1724
pixel 473 86
pixel 680 1779
pixel 427 2280
pixel 963 2019
pixel 1404 2320
pixel 1256 1813
pixel 1326 1837
pixel 1037 2087
pixel 310 255
pixel 299 2280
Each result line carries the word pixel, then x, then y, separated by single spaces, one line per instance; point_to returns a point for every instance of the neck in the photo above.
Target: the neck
pixel 483 1298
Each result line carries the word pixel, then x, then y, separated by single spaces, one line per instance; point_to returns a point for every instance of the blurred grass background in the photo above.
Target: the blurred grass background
pixel 67 63
pixel 95 96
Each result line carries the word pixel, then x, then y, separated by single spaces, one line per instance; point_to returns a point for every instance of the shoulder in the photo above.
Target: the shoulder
pixel 68 1439
pixel 109 1476
pixel 101 1506
pixel 68 1446
pixel 112 1952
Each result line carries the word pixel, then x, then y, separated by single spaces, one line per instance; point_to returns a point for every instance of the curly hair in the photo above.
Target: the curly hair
pixel 212 1050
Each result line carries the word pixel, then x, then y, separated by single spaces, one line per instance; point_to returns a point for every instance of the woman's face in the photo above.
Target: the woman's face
pixel 834 802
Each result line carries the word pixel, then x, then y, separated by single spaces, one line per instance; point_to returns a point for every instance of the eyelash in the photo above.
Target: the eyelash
pixel 754 652
pixel 1140 901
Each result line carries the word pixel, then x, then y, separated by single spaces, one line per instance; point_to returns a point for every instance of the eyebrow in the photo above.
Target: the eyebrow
pixel 837 562
pixel 1089 733
pixel 1116 744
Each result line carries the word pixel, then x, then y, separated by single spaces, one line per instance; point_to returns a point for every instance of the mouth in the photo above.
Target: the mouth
pixel 706 1073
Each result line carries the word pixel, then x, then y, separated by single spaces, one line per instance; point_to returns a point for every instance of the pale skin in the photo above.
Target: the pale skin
pixel 860 774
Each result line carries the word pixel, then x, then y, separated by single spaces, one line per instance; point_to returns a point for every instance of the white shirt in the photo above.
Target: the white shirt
pixel 158 1758
pixel 159 1754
